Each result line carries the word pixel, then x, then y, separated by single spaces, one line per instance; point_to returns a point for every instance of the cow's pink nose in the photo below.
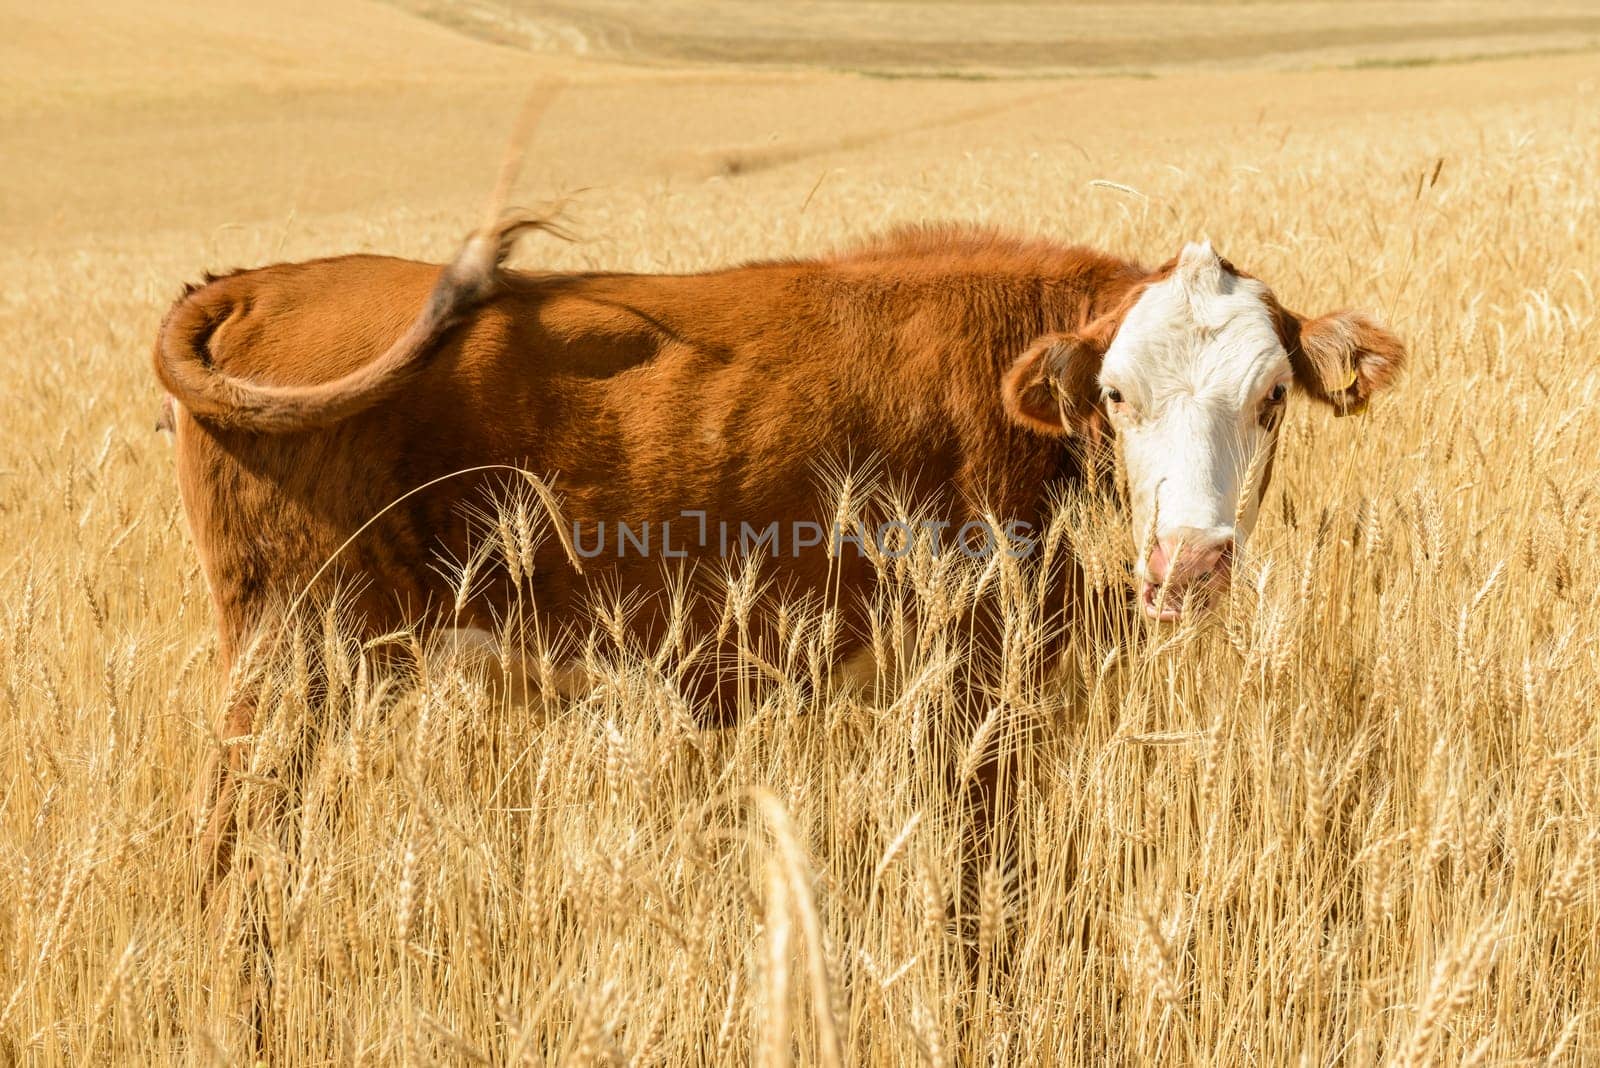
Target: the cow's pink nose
pixel 1185 563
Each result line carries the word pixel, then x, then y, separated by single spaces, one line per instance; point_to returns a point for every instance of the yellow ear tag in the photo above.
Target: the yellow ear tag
pixel 1351 407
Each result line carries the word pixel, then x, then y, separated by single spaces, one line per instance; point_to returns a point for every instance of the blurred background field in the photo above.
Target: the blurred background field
pixel 1357 824
pixel 999 39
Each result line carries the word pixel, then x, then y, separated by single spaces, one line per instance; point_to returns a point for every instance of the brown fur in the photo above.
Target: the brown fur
pixel 312 396
pixel 642 396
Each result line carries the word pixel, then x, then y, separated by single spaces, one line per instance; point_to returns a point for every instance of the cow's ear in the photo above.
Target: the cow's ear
pixel 1051 388
pixel 1342 359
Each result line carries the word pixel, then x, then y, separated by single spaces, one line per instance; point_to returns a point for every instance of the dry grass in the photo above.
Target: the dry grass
pixel 1353 820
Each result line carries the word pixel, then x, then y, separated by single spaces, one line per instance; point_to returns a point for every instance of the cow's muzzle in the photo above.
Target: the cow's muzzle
pixel 1186 570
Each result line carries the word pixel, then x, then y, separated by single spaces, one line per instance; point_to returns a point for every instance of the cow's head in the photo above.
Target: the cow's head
pixel 1191 372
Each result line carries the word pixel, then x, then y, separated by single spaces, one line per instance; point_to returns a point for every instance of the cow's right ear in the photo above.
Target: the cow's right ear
pixel 1051 388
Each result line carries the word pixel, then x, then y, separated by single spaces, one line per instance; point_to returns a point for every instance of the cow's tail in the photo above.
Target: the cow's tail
pixel 183 358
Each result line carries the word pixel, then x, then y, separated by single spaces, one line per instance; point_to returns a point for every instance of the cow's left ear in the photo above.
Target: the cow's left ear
pixel 1343 358
pixel 1050 388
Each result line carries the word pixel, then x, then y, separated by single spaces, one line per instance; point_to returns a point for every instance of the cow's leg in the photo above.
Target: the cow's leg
pixel 995 880
pixel 215 802
pixel 214 796
pixel 216 791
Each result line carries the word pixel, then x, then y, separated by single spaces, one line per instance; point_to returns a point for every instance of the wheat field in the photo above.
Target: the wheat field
pixel 1353 818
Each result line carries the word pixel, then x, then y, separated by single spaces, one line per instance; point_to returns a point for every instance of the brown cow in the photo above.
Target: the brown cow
pixel 311 397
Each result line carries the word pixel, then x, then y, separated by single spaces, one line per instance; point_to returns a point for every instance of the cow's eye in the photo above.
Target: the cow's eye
pixel 1278 394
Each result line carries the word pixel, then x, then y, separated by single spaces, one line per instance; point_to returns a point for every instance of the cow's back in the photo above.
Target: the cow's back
pixel 640 397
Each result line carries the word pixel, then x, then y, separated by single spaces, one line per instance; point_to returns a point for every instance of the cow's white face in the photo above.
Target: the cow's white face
pixel 1192 372
pixel 1194 383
